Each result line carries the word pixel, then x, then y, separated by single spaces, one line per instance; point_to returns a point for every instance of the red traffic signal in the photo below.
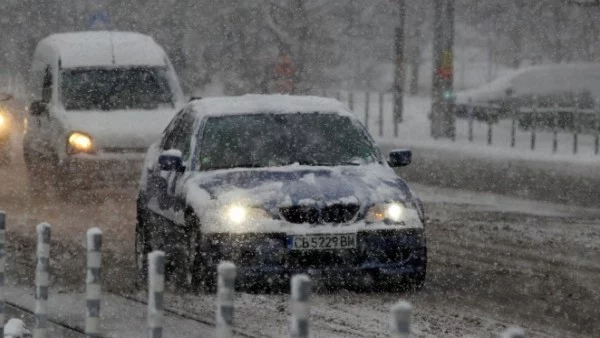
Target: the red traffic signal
pixel 445 73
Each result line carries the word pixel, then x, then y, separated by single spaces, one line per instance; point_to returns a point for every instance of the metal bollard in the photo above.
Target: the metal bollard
pixel 596 127
pixel 156 287
pixel 397 117
pixel 367 104
pixel 471 117
pixel 489 133
pixel 576 125
pixel 514 332
pixel 2 265
pixel 93 292
pixel 381 110
pixel 42 277
pixel 533 122
pixel 225 297
pixel 301 290
pixel 555 129
pixel 401 319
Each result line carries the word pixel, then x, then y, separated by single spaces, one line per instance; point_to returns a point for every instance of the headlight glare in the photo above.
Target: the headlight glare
pixel 2 120
pixel 386 212
pixel 237 215
pixel 79 142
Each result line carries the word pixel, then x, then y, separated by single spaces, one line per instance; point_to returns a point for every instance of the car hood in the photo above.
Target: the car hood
pixel 119 128
pixel 301 185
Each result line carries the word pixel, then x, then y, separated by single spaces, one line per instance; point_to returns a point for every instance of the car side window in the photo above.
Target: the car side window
pixel 47 86
pixel 183 135
pixel 169 133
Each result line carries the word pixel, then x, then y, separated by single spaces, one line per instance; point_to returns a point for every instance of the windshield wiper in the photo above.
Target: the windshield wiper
pixel 244 165
pixel 322 164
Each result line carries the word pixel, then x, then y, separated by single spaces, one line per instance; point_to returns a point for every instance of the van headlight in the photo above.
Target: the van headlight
pixel 393 213
pixel 237 216
pixel 79 143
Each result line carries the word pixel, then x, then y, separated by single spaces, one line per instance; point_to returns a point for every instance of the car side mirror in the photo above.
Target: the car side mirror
pixel 171 160
pixel 400 158
pixel 39 108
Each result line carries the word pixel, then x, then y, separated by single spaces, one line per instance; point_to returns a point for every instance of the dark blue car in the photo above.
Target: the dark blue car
pixel 279 185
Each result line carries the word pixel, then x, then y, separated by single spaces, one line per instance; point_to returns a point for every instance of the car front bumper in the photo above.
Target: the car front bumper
pixel 266 257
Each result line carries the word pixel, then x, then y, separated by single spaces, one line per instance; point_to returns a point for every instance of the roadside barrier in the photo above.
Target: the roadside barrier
pixel 400 313
pixel 538 124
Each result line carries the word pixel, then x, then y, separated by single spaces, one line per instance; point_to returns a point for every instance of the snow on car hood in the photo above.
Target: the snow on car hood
pixel 119 128
pixel 272 188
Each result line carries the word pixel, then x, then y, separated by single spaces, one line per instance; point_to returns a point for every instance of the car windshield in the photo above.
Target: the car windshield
pixel 116 88
pixel 265 140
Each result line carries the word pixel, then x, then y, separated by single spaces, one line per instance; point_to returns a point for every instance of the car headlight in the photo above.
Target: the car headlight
pixel 79 143
pixel 4 118
pixel 394 213
pixel 238 215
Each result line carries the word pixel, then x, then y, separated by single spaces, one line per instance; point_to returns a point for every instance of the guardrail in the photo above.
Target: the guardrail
pixel 535 120
pixel 400 313
pixel 530 126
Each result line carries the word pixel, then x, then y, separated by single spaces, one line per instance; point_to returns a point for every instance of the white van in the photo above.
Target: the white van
pixel 98 100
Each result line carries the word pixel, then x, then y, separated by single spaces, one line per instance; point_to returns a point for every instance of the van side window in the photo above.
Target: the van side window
pixel 47 86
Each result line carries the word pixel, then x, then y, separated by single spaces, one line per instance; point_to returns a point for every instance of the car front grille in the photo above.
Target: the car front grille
pixel 335 214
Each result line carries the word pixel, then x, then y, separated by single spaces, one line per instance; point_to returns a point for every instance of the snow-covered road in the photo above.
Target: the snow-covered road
pixel 494 261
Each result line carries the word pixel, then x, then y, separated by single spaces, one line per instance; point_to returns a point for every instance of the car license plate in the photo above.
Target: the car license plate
pixel 322 242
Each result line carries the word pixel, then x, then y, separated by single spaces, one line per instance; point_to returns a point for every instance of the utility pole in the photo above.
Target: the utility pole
pixel 442 103
pixel 399 63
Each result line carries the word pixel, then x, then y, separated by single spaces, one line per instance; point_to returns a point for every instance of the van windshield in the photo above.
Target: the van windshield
pixel 115 88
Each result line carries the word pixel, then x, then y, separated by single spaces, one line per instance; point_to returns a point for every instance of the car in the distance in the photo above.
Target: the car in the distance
pixel 279 185
pixel 562 96
pixel 98 100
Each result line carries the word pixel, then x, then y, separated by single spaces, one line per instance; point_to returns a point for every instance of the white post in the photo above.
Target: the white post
pixel 514 332
pixel 93 287
pixel 156 286
pixel 225 297
pixel 301 290
pixel 401 319
pixel 42 278
pixel 2 264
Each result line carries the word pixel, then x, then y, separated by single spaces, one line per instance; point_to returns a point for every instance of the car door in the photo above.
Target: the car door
pixel 157 179
pixel 183 138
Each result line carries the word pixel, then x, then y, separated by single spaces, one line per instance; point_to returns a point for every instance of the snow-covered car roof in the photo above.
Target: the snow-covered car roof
pixel 256 103
pixel 104 48
pixel 539 80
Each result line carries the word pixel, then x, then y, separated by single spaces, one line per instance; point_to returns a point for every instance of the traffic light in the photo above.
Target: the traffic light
pixel 448 94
